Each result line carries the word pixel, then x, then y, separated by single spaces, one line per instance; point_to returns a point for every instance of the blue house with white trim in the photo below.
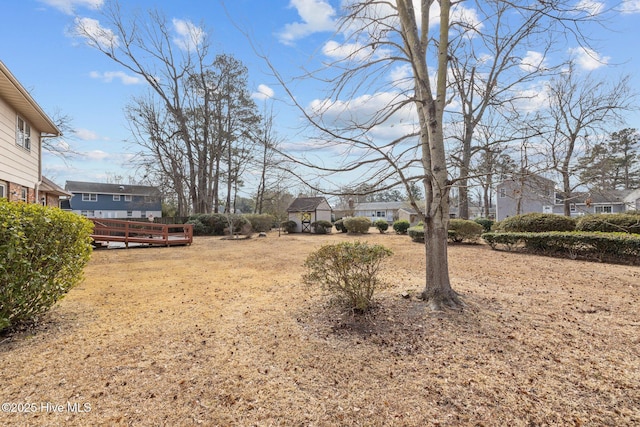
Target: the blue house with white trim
pixel 117 201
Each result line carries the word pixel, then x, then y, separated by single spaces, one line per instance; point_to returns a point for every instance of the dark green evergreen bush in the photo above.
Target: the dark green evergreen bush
pixel 43 252
pixel 289 226
pixel 416 233
pixel 464 230
pixel 322 226
pixel 348 271
pixel 260 223
pixel 485 223
pixel 536 223
pixel 610 223
pixel 401 226
pixel 382 225
pixel 357 224
pixel 199 229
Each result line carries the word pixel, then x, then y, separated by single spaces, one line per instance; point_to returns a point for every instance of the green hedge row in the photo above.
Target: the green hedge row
pixel 612 247
pixel 460 230
pixel 43 252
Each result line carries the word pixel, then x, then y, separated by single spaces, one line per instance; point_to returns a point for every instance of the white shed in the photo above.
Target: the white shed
pixel 306 210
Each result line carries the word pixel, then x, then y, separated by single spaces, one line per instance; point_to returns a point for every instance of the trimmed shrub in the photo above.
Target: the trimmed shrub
pixel 382 225
pixel 43 251
pixel 536 223
pixel 322 227
pixel 214 224
pixel 237 224
pixel 348 271
pixel 260 222
pixel 339 225
pixel 289 226
pixel 401 226
pixel 486 223
pixel 199 229
pixel 610 223
pixel 464 230
pixel 416 233
pixel 357 224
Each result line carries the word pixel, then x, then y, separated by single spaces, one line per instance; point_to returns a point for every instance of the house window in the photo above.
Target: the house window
pixel 381 214
pixel 503 193
pixel 127 197
pixel 88 214
pixel 23 134
pixel 23 194
pixel 129 214
pixel 116 197
pixel 143 214
pixel 3 190
pixel 607 209
pixel 572 207
pixel 89 197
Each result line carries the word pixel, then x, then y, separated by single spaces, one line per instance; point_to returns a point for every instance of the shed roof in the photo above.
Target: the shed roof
pixel 49 186
pixel 306 204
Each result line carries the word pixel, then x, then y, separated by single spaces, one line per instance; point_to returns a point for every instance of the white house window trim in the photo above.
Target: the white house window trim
pixel 24 194
pixel 23 133
pixel 116 197
pixel 603 209
pixel 127 197
pixel 3 190
pixel 503 193
pixel 89 197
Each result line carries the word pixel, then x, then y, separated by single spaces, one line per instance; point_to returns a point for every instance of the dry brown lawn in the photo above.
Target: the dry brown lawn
pixel 224 333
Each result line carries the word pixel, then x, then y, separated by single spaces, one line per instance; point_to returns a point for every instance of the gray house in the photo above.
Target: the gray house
pixel 306 210
pixel 523 194
pixel 533 193
pixel 117 201
pixel 600 202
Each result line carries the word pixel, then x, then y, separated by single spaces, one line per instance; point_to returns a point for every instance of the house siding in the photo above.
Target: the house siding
pixel 536 195
pixel 17 165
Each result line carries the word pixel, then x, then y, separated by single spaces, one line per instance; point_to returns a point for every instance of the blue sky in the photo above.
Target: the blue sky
pixel 63 74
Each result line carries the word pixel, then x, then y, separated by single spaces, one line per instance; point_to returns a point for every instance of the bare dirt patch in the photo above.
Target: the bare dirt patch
pixel 224 333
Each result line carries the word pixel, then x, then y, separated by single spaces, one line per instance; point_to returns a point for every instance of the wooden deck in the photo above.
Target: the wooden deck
pixel 108 231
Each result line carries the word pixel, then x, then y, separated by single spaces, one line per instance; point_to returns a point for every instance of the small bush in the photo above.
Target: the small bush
pixel 289 226
pixel 260 223
pixel 610 223
pixel 536 223
pixel 461 230
pixel 348 271
pixel 382 225
pixel 322 227
pixel 416 233
pixel 486 223
pixel 43 252
pixel 357 224
pixel 339 225
pixel 401 226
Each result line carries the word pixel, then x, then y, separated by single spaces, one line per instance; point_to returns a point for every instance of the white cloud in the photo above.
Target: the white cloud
pixel 588 59
pixel 263 92
pixel 96 155
pixel 532 62
pixel 591 7
pixel 95 34
pixel 85 134
pixel 189 35
pixel 630 6
pixel 316 15
pixel 69 6
pixel 109 76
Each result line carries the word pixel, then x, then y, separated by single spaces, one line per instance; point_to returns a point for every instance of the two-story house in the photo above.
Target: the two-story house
pixel 23 124
pixel 98 200
pixel 524 193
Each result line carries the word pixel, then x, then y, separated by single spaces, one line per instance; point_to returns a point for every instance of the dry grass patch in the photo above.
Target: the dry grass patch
pixel 224 333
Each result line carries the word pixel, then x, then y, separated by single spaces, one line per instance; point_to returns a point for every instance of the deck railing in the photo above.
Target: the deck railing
pixel 117 230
